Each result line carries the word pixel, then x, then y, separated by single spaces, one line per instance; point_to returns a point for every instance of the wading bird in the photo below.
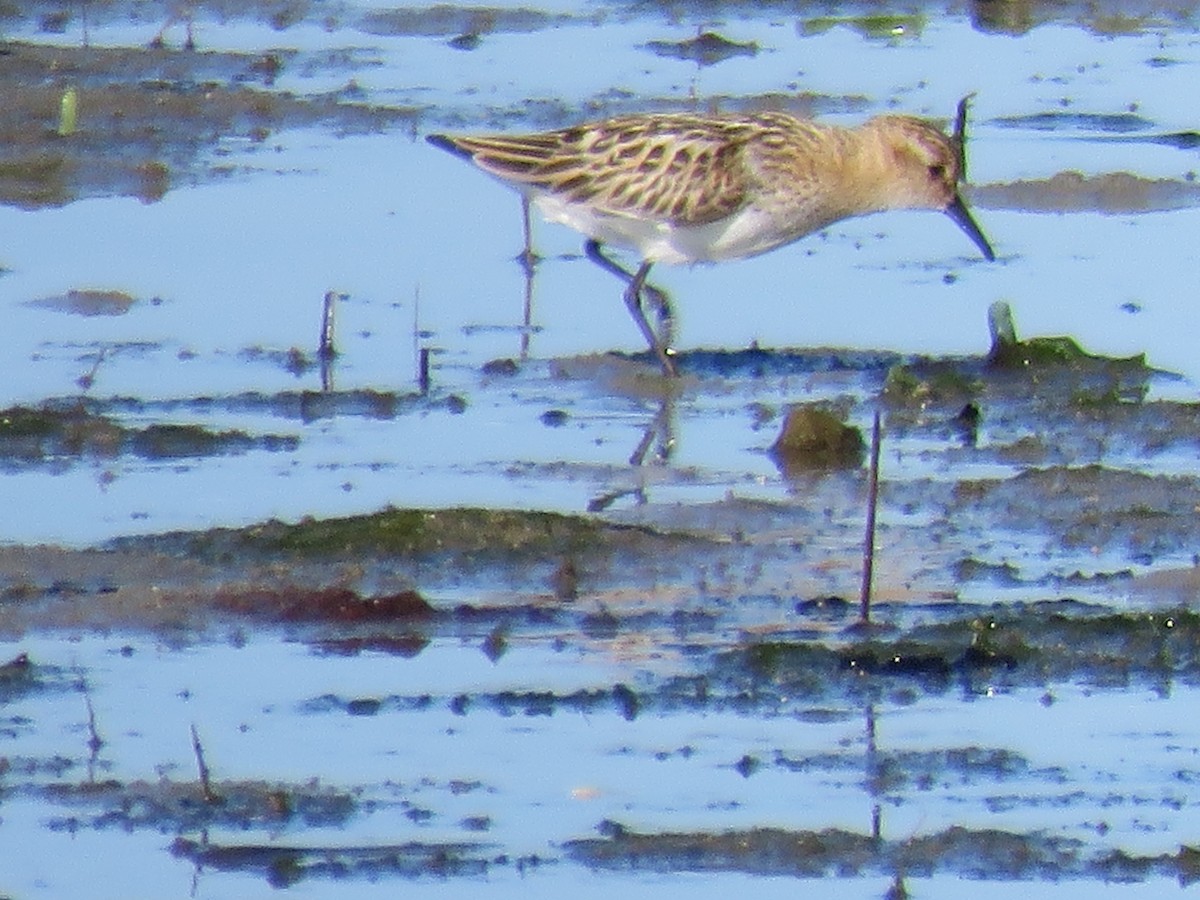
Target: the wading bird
pixel 688 187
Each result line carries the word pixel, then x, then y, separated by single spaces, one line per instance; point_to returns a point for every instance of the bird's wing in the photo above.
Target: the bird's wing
pixel 677 169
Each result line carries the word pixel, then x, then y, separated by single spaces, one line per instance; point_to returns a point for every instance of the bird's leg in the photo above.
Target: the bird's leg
pixel 633 300
pixel 666 319
pixel 527 258
pixel 635 286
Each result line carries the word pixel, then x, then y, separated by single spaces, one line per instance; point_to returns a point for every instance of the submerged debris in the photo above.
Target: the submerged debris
pixel 88 302
pixel 1028 645
pixel 331 605
pixel 706 49
pixel 966 852
pixel 57 431
pixel 283 866
pixel 16 676
pixel 814 438
pixel 184 806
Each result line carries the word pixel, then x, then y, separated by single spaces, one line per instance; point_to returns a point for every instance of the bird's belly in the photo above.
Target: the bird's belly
pixel 747 232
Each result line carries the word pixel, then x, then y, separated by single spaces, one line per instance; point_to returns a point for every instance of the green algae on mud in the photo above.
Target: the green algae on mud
pixel 1057 366
pixel 1064 351
pixel 463 530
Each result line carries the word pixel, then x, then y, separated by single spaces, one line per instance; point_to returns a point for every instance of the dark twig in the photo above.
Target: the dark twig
pixel 205 779
pixel 423 370
pixel 86 381
pixel 868 570
pixel 420 351
pixel 95 742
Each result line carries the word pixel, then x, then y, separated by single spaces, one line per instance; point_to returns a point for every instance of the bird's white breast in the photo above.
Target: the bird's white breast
pixel 747 232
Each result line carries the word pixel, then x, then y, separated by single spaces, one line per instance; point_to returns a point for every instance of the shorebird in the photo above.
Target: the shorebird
pixel 688 187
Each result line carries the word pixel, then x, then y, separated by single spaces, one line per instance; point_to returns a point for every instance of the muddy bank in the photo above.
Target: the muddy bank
pixel 145 120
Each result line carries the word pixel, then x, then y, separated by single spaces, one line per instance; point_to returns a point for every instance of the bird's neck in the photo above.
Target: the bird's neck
pixel 866 172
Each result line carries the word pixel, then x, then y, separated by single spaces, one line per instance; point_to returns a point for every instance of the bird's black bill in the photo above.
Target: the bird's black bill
pixel 959 138
pixel 958 211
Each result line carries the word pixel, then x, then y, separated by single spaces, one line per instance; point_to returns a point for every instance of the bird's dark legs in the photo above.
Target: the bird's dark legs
pixel 636 287
pixel 660 345
pixel 527 258
pixel 177 12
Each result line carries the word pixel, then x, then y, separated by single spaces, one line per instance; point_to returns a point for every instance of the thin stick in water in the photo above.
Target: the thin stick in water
pixel 95 742
pixel 205 779
pixel 868 569
pixel 423 371
pixel 420 351
pixel 326 349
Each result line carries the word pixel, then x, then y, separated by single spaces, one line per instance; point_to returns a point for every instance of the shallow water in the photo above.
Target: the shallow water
pixel 397 749
pixel 533 759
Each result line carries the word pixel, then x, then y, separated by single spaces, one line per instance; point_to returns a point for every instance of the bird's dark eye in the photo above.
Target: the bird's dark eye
pixel 937 172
